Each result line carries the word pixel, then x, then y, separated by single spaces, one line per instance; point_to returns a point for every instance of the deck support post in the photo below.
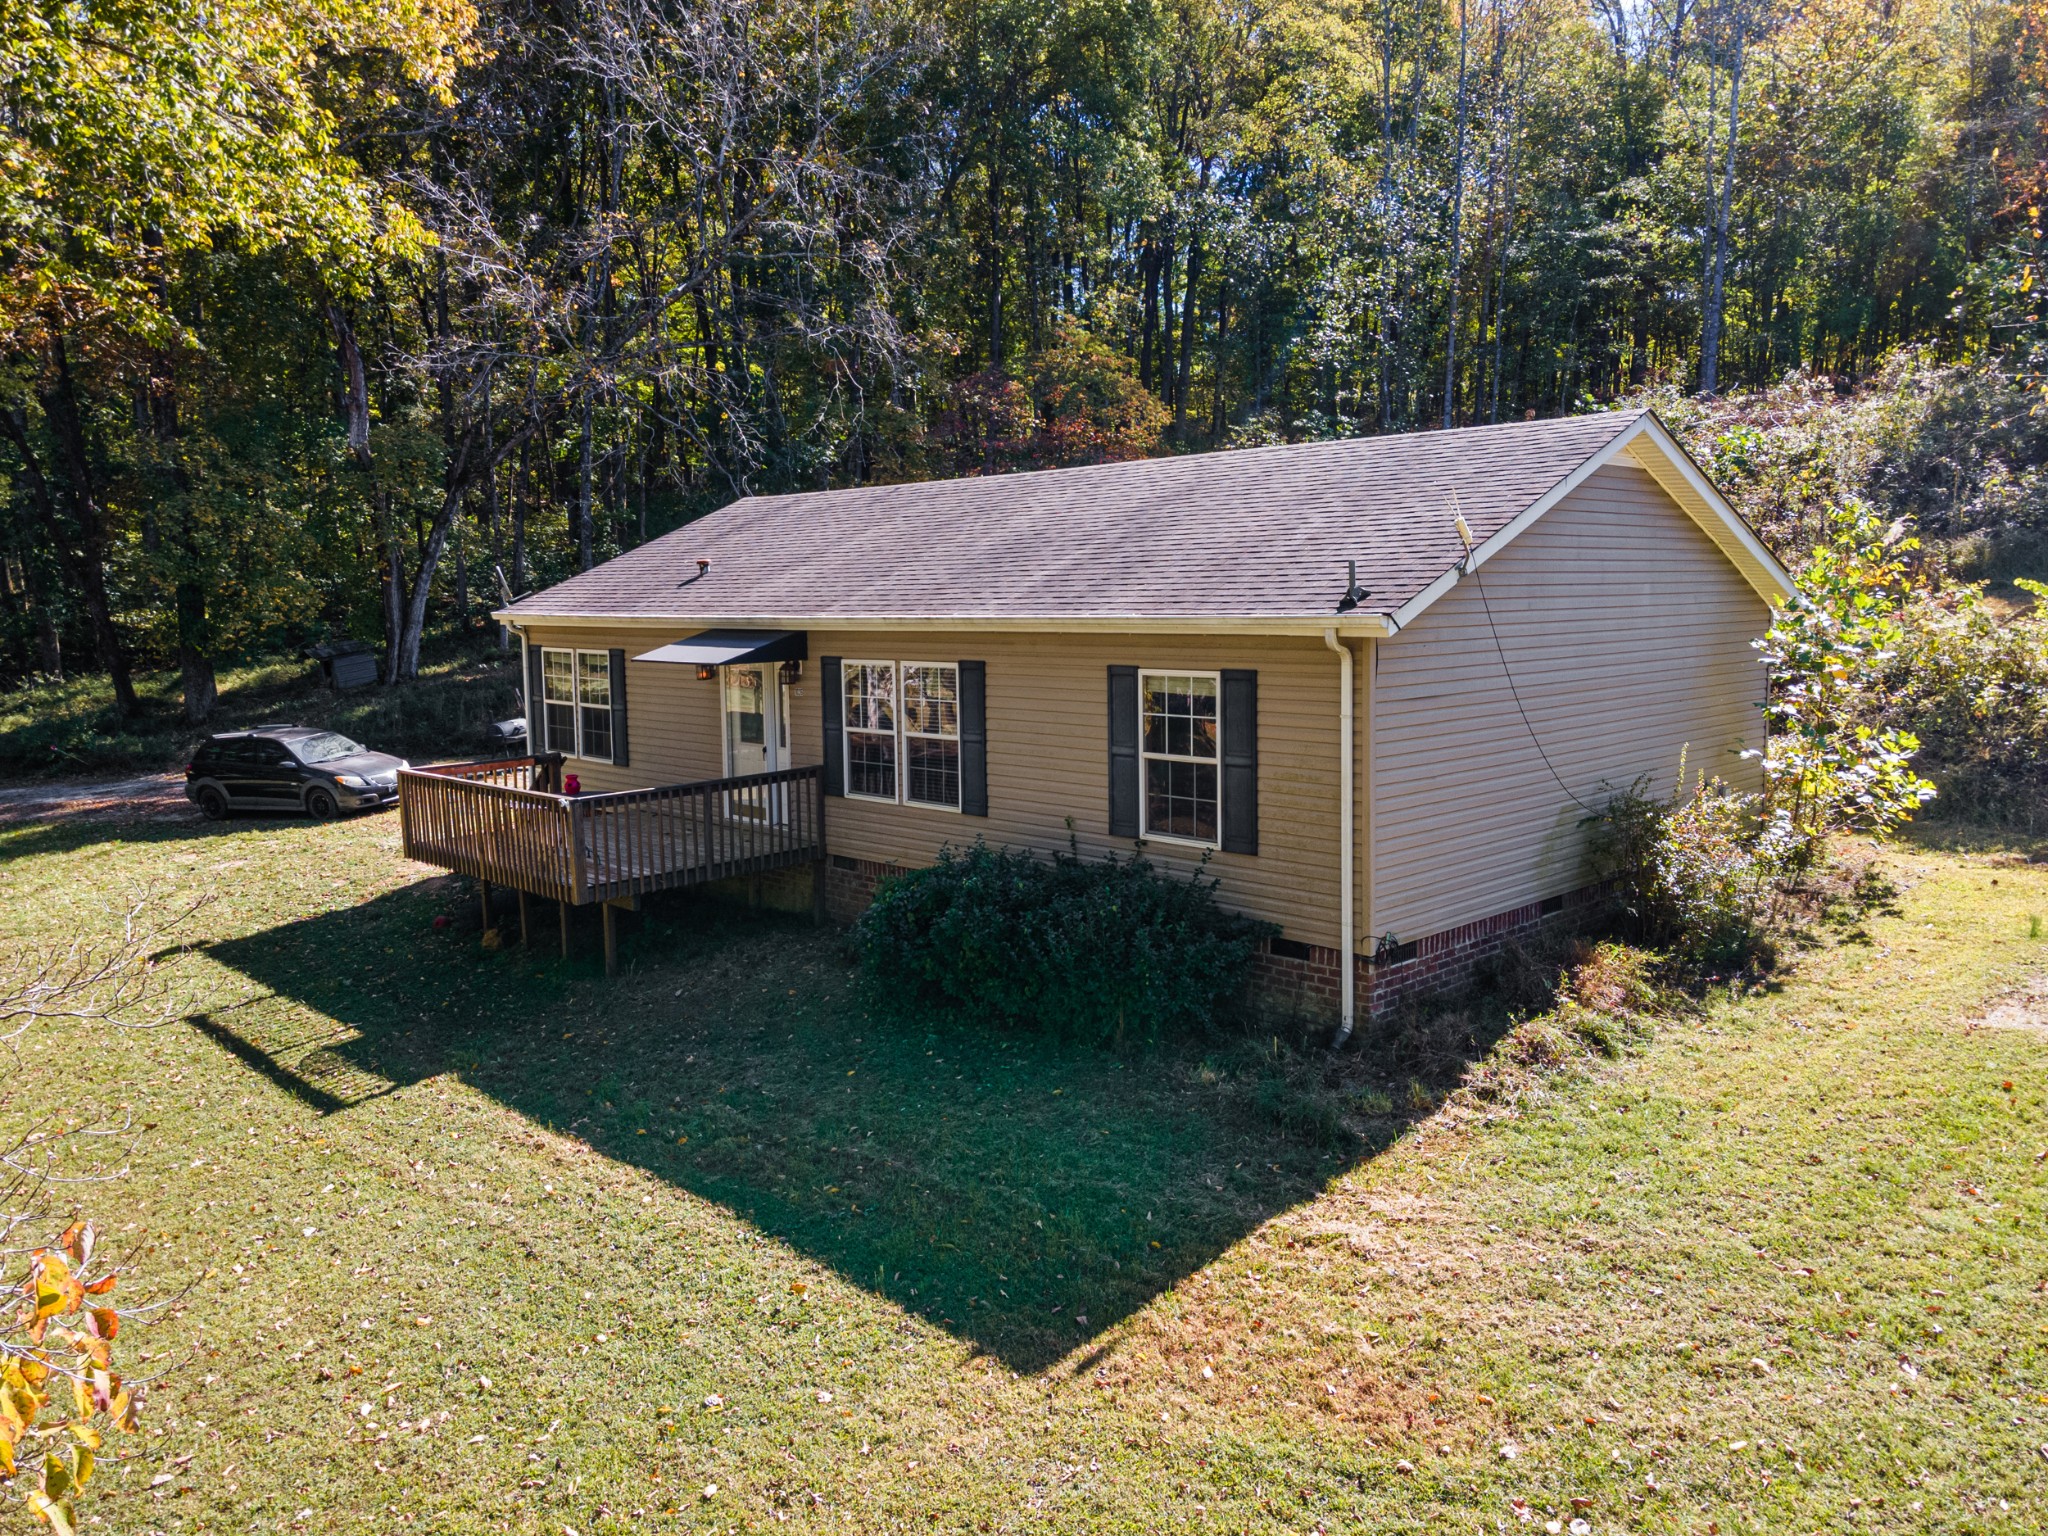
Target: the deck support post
pixel 611 941
pixel 483 893
pixel 523 939
pixel 563 908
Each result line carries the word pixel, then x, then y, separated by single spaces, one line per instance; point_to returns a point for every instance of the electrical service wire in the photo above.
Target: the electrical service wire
pixel 1527 724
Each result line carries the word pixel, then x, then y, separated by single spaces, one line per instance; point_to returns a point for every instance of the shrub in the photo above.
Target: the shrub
pixel 1697 873
pixel 1972 683
pixel 1100 950
pixel 1836 759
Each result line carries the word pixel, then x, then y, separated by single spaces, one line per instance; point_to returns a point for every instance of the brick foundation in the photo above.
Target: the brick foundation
pixel 850 885
pixel 1306 981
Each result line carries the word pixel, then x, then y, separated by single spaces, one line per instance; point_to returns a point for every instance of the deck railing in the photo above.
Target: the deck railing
pixel 483 820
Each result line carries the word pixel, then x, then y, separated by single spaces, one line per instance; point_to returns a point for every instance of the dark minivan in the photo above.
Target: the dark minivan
pixel 289 768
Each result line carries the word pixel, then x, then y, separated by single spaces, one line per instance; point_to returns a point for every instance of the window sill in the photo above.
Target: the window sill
pixel 905 805
pixel 1179 842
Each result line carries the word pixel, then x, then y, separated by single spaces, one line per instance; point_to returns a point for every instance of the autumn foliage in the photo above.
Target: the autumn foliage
pixel 59 1392
pixel 1076 401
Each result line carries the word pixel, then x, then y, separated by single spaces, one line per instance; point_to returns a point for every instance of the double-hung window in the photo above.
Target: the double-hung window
pixel 576 695
pixel 902 724
pixel 1180 745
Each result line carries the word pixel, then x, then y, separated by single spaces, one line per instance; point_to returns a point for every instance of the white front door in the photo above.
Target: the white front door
pixel 756 734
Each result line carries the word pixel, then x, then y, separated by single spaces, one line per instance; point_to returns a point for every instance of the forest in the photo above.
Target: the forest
pixel 338 320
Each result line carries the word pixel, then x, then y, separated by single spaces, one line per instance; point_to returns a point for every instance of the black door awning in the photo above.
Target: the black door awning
pixel 733 647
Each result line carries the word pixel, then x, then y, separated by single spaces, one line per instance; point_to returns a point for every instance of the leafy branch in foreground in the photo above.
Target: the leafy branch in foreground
pixel 59 1392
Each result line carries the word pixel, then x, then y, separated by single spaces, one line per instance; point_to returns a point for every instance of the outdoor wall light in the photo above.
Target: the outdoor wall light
pixel 706 673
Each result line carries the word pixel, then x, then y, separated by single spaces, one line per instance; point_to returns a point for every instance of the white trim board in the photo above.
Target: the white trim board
pixel 1648 444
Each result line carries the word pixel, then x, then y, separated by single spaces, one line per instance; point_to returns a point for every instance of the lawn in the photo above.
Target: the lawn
pixel 491 1243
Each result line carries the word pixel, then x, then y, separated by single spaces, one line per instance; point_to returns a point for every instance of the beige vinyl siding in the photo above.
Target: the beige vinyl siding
pixel 1048 759
pixel 1628 633
pixel 1048 749
pixel 672 719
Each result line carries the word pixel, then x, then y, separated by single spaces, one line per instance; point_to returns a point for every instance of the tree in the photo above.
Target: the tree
pixel 139 135
pixel 1079 402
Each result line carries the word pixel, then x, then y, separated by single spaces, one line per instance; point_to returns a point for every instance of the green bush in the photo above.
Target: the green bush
pixel 1970 679
pixel 1699 873
pixel 1100 950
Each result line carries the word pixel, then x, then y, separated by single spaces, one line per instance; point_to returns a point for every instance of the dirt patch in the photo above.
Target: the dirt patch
pixel 151 797
pixel 2025 1008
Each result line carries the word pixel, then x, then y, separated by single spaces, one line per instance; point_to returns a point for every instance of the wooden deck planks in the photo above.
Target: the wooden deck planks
pixel 479 819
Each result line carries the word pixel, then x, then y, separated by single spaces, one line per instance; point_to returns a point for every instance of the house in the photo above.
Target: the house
pixel 1285 663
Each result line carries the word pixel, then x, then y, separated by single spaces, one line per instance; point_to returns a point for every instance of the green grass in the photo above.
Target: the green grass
pixel 69 729
pixel 1685 1287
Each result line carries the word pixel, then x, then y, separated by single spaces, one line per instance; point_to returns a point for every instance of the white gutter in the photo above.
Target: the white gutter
pixel 1347 917
pixel 1365 625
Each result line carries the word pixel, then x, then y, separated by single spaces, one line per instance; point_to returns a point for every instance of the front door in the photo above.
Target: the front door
pixel 756 734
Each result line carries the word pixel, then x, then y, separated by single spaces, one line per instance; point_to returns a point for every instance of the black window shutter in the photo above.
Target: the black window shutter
pixel 1240 762
pixel 619 756
pixel 1123 751
pixel 974 738
pixel 536 711
pixel 835 731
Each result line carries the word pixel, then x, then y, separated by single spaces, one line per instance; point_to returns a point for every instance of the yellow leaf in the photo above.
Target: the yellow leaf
pixel 55 1513
pixel 87 1436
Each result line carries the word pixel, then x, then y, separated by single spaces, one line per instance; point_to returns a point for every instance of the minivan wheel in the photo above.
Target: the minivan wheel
pixel 213 803
pixel 321 805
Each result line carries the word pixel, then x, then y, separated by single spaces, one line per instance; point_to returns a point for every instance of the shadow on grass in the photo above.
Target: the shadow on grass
pixel 1022 1194
pixel 1975 839
pixel 47 832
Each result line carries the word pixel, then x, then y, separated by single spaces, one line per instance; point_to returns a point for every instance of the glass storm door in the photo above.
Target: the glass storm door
pixel 756 737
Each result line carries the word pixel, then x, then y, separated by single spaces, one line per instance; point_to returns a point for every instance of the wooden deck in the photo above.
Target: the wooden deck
pixel 504 823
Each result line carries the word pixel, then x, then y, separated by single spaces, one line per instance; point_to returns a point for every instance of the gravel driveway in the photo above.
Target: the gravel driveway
pixel 148 797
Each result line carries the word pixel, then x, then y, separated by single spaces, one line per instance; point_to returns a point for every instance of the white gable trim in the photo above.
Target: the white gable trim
pixel 1648 444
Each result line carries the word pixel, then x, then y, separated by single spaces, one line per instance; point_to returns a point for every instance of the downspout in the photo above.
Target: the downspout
pixel 1347 916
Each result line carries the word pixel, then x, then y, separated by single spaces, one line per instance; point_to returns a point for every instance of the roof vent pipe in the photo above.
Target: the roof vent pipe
pixel 1354 594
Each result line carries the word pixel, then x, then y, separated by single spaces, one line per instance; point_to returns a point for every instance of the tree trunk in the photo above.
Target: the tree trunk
pixel 195 663
pixel 583 543
pixel 1189 315
pixel 409 607
pixel 1457 232
pixel 1716 296
pixel 49 643
pixel 60 409
pixel 1148 270
pixel 520 494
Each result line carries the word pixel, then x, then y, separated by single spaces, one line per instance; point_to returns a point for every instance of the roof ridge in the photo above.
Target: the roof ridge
pixel 1211 456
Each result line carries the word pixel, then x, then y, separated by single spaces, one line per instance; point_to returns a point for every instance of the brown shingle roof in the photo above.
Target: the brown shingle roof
pixel 1254 533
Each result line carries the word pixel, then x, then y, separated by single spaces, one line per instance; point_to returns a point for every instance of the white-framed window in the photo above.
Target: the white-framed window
pixel 870 688
pixel 902 726
pixel 1180 751
pixel 576 703
pixel 931 734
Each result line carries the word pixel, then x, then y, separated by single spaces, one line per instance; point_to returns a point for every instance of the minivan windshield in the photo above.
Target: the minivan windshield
pixel 325 748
